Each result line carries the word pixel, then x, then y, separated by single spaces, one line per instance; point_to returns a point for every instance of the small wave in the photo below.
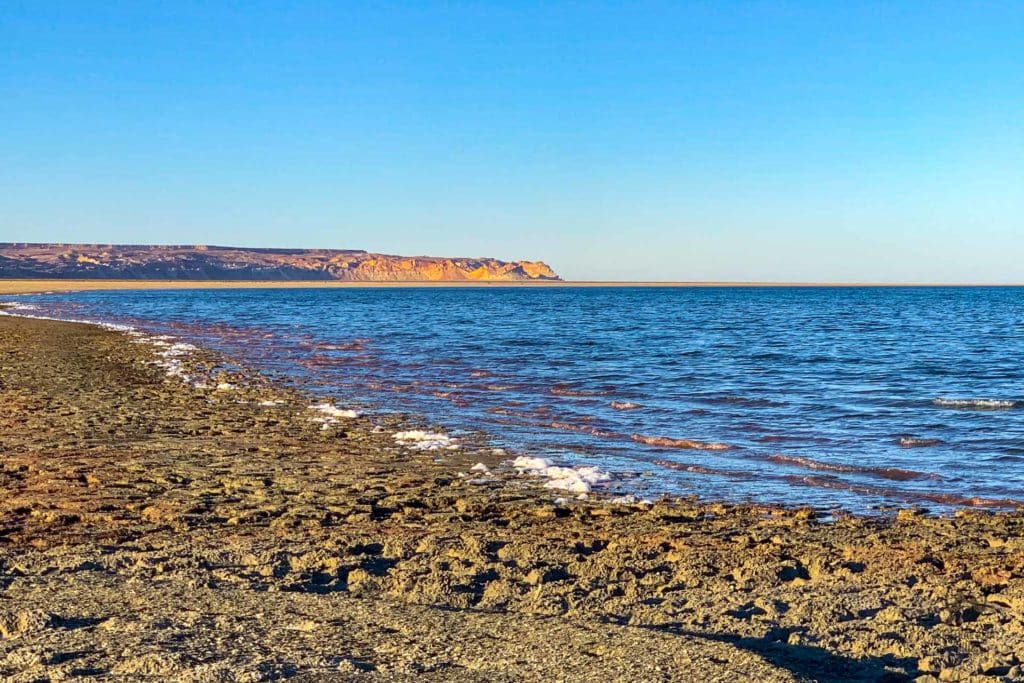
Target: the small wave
pixel 911 442
pixel 561 390
pixel 509 411
pixel 584 429
pixel 975 403
pixel 704 469
pixel 787 438
pixel 624 405
pixel 353 345
pixel 455 399
pixel 744 401
pixel 665 442
pixel 893 473
pixel 316 361
pixel 942 498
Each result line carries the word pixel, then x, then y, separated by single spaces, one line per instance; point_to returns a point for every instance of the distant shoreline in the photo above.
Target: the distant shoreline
pixel 33 286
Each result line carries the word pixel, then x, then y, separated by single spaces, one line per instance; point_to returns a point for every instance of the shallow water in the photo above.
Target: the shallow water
pixel 835 397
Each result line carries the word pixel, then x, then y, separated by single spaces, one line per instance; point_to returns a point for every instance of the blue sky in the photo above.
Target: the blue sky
pixel 672 141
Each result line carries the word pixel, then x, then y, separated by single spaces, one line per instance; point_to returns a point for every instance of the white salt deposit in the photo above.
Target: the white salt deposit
pixel 330 410
pixel 169 352
pixel 331 414
pixel 534 464
pixel 170 355
pixel 419 440
pixel 631 499
pixel 25 307
pixel 579 480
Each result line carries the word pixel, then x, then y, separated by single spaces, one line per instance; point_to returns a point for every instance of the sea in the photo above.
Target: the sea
pixel 855 399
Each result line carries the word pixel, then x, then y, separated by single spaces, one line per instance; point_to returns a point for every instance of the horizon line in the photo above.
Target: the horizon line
pixel 13 286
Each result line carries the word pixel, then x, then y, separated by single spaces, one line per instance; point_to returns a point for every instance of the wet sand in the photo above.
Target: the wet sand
pixel 151 530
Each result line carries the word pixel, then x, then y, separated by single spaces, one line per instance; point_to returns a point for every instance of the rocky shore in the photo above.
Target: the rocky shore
pixel 152 529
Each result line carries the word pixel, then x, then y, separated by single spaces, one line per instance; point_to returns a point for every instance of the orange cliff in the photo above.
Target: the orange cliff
pixel 147 262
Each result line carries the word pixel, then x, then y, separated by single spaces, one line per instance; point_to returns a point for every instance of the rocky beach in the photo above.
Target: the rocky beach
pixel 167 514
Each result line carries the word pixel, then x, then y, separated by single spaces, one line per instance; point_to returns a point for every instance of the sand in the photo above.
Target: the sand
pixel 152 530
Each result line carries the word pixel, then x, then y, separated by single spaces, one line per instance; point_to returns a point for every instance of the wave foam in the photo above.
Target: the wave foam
pixel 17 306
pixel 911 442
pixel 330 414
pixel 631 499
pixel 420 440
pixel 665 442
pixel 170 353
pixel 331 410
pixel 975 403
pixel 892 473
pixel 578 480
pixel 114 327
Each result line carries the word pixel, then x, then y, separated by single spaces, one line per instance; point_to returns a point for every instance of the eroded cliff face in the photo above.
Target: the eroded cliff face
pixel 18 260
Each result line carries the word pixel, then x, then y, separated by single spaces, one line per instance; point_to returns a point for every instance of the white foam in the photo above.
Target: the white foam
pixel 630 499
pixel 420 440
pixel 579 480
pixel 331 410
pixel 170 353
pixel 99 323
pixel 982 403
pixel 16 306
pixel 526 463
pixel 331 414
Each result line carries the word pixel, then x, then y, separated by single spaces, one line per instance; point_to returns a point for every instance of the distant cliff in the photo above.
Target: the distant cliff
pixel 96 261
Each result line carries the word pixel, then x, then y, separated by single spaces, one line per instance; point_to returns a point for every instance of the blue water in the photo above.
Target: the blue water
pixel 848 398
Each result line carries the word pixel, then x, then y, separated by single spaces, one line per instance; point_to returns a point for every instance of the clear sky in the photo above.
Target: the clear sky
pixel 673 141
